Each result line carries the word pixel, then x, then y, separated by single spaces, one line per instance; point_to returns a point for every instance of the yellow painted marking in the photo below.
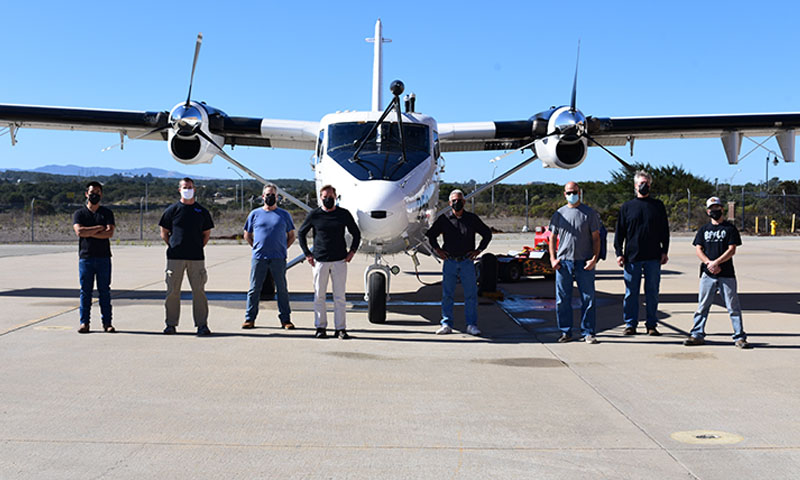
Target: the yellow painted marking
pixel 706 437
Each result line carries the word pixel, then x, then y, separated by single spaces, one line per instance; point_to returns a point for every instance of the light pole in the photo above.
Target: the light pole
pixel 766 175
pixel 241 184
pixel 730 181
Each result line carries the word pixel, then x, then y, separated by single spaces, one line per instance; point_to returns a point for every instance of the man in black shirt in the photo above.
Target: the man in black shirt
pixel 641 242
pixel 185 228
pixel 458 252
pixel 330 258
pixel 715 245
pixel 94 226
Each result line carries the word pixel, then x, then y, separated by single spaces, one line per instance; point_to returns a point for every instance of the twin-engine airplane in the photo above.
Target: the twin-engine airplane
pixel 386 164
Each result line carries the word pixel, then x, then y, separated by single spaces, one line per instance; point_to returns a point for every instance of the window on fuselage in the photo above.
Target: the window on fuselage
pixel 382 157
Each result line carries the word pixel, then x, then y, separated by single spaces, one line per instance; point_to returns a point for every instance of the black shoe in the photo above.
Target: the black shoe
pixel 170 330
pixel 742 343
pixel 694 341
pixel 288 326
pixel 321 333
pixel 564 338
pixel 653 332
pixel 84 328
pixel 341 334
pixel 109 328
pixel 629 331
pixel 203 331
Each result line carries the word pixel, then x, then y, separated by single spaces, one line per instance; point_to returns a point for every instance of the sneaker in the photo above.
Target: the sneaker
pixel 288 326
pixel 170 330
pixel 629 331
pixel 321 333
pixel 109 328
pixel 653 332
pixel 341 334
pixel 473 330
pixel 589 339
pixel 248 325
pixel 694 341
pixel 84 328
pixel 564 338
pixel 203 331
pixel 444 330
pixel 742 343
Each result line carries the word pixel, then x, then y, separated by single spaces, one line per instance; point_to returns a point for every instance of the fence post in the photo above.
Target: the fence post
pixel 689 210
pixel 141 218
pixel 743 208
pixel 33 200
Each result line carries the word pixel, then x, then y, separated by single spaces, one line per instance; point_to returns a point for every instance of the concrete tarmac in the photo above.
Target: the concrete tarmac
pixel 396 401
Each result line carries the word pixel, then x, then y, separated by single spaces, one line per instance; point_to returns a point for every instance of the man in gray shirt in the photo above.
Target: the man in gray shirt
pixel 575 228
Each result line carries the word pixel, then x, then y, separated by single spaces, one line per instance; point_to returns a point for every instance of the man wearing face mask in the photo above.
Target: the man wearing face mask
pixel 94 226
pixel 330 258
pixel 715 244
pixel 185 228
pixel 459 227
pixel 641 242
pixel 575 228
pixel 270 232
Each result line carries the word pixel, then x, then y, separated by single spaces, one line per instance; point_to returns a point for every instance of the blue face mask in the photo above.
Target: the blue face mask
pixel 573 198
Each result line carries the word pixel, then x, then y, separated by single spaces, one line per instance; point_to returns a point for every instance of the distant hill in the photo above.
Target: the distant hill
pixel 78 171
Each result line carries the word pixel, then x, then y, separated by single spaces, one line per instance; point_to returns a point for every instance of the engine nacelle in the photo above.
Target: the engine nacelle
pixel 564 146
pixel 183 140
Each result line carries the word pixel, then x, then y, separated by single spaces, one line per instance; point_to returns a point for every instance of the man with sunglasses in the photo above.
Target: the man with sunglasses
pixel 269 230
pixel 575 228
pixel 458 227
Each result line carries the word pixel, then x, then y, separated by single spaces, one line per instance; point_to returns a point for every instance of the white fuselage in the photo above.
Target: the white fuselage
pixel 393 202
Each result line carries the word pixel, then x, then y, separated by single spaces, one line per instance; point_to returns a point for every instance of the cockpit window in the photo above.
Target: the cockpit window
pixel 382 157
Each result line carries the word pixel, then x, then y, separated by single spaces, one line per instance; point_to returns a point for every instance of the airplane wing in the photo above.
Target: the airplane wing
pixel 256 132
pixel 614 131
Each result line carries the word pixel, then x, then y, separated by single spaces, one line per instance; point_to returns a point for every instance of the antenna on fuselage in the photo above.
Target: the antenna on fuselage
pixel 377 66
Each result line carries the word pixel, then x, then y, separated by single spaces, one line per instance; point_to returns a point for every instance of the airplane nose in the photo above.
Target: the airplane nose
pixel 379 209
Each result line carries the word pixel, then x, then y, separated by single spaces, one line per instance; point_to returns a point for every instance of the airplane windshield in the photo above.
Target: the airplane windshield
pixel 382 157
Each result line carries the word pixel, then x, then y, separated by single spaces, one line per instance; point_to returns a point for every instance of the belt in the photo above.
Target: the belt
pixel 458 259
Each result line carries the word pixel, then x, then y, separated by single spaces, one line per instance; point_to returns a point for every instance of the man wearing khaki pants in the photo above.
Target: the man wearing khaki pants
pixel 185 228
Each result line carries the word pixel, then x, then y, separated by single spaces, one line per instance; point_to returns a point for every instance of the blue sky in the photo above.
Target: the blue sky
pixel 478 62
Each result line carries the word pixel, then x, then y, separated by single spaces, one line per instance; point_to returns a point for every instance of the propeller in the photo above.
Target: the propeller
pixel 575 80
pixel 194 64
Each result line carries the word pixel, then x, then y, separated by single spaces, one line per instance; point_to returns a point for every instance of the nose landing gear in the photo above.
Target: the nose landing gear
pixel 376 287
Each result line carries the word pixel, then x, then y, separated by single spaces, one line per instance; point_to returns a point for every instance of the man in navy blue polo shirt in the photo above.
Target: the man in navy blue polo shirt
pixel 270 232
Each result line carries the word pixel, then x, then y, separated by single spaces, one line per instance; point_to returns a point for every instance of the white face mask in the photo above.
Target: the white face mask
pixel 187 193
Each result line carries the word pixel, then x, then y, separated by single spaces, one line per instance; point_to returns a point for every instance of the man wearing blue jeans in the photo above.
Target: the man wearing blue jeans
pixel 641 242
pixel 715 244
pixel 575 228
pixel 459 253
pixel 270 232
pixel 94 226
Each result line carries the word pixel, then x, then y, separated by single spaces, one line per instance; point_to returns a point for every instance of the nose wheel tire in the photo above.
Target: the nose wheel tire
pixel 376 306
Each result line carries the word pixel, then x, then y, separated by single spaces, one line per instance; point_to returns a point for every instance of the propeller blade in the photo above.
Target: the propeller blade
pixel 575 80
pixel 150 132
pixel 194 64
pixel 253 174
pixel 625 164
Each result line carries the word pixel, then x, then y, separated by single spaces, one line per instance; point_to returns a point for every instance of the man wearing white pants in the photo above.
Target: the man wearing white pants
pixel 330 258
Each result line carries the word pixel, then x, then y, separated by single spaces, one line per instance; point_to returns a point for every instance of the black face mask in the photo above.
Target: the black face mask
pixel 94 198
pixel 270 199
pixel 458 205
pixel 644 189
pixel 715 214
pixel 328 202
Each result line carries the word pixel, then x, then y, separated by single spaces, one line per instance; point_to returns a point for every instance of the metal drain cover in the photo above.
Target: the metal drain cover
pixel 706 437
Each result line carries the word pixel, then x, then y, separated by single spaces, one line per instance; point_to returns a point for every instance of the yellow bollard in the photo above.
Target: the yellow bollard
pixel 793 215
pixel 756 225
pixel 773 227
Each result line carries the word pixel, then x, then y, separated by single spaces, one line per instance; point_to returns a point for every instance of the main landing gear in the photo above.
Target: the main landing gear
pixel 376 288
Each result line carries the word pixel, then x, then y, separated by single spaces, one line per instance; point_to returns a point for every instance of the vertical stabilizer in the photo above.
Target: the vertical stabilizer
pixel 377 66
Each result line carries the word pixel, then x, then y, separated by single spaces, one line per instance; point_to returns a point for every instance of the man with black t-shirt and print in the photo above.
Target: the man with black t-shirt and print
pixel 94 226
pixel 185 228
pixel 330 258
pixel 716 244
